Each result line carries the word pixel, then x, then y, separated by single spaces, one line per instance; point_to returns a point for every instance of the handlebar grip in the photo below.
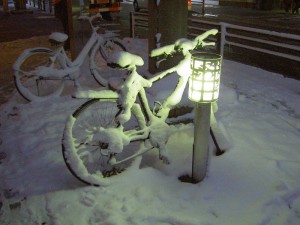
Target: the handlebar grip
pixel 168 49
pixel 208 43
pixel 203 36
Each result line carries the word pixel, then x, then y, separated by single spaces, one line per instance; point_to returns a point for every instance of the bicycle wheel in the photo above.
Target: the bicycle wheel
pixel 93 139
pixel 30 85
pixel 99 57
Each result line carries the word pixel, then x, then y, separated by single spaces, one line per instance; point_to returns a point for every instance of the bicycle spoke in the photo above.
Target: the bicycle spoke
pixel 31 86
pixel 95 144
pixel 101 54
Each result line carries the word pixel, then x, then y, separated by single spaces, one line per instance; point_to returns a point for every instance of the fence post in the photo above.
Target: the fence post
pixel 223 38
pixel 132 21
pixel 219 40
pixel 50 6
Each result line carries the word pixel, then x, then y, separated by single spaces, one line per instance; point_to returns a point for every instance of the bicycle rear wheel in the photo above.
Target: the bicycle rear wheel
pixel 28 83
pixel 93 138
pixel 99 58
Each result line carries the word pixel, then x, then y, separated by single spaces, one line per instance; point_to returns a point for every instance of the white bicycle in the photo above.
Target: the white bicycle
pixel 104 135
pixel 41 72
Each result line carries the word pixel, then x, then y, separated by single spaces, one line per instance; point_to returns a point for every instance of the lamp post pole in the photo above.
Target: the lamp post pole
pixel 203 90
pixel 201 137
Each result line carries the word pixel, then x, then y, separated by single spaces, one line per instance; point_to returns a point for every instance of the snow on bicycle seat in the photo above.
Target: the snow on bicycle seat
pixel 126 59
pixel 58 37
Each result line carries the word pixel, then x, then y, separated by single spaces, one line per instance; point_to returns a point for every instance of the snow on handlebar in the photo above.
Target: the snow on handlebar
pixel 184 44
pixel 168 50
pixel 208 43
pixel 90 19
pixel 201 37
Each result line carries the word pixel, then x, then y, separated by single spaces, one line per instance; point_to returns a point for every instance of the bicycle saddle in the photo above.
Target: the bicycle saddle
pixel 58 37
pixel 125 60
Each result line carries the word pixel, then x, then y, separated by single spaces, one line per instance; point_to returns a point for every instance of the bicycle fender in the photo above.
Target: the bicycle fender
pixel 27 52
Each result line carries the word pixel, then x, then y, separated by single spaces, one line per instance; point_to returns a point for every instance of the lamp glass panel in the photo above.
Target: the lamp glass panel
pixel 205 78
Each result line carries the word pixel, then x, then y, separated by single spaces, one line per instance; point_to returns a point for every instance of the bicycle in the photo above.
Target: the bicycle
pixel 40 73
pixel 102 138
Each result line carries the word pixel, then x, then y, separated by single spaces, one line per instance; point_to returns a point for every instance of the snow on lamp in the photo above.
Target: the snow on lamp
pixel 204 81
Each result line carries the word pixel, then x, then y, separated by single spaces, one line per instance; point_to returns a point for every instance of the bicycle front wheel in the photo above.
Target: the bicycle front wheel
pixel 93 140
pixel 99 58
pixel 30 85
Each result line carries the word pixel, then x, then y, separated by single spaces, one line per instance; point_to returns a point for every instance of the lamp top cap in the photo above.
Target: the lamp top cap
pixel 205 56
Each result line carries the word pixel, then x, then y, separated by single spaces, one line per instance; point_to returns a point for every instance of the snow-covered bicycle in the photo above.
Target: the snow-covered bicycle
pixel 106 134
pixel 41 72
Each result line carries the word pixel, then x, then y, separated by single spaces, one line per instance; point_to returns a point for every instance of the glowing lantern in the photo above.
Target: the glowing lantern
pixel 204 81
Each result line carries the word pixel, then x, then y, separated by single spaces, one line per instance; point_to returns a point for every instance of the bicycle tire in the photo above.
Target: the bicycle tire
pixel 28 84
pixel 83 150
pixel 99 58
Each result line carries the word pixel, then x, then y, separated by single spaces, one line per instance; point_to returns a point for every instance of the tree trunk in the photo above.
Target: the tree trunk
pixel 5 6
pixel 20 4
pixel 168 18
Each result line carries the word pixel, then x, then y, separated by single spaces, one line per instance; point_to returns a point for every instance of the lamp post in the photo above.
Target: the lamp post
pixel 204 84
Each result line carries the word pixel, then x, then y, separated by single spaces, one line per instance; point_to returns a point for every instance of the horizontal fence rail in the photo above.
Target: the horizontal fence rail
pixel 265 41
pixel 138 20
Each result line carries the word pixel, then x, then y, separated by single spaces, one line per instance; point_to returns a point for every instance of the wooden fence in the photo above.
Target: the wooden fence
pixel 246 41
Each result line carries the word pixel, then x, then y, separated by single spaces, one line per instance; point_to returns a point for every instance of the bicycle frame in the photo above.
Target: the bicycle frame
pixel 148 121
pixel 72 67
pixel 95 38
pixel 40 73
pixel 109 125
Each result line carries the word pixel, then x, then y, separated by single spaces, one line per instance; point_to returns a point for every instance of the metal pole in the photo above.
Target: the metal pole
pixel 201 137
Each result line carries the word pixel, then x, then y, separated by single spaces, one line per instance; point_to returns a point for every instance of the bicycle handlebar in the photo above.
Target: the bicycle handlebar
pixel 184 43
pixel 208 43
pixel 90 19
pixel 167 50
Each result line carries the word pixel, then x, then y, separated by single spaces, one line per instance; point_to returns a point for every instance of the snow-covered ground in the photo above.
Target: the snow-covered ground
pixel 256 182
